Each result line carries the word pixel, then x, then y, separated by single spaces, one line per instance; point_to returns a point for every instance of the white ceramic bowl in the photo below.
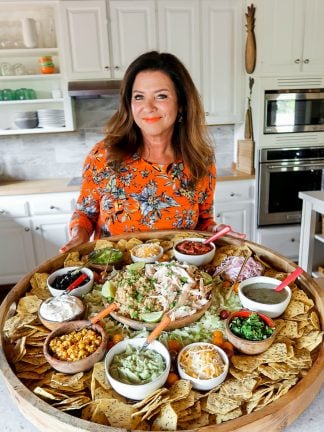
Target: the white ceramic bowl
pixel 272 310
pixel 204 384
pixel 194 259
pixel 78 292
pixel 137 391
pixel 146 252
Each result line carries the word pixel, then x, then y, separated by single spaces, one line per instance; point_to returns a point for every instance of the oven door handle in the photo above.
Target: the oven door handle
pixel 295 167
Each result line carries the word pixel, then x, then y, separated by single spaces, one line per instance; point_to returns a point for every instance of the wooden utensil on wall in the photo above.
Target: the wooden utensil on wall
pixel 250 47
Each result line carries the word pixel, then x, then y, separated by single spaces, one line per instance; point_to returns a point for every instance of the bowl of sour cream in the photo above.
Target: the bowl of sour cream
pixel 56 310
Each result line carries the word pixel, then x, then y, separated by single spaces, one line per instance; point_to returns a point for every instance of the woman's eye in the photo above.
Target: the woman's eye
pixel 161 96
pixel 138 97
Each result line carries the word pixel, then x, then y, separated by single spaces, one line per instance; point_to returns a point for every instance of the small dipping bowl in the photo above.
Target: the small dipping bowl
pixel 199 383
pixel 195 259
pixel 59 305
pixel 146 252
pixel 137 391
pixel 248 346
pixel 258 294
pixel 79 291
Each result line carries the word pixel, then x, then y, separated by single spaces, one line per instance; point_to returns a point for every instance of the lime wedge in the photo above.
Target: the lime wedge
pixel 136 266
pixel 152 317
pixel 108 289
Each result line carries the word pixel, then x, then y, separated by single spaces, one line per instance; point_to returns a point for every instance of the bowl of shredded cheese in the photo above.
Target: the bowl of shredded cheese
pixel 146 252
pixel 204 364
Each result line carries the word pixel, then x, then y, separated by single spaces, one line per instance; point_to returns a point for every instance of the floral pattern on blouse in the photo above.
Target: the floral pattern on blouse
pixel 142 196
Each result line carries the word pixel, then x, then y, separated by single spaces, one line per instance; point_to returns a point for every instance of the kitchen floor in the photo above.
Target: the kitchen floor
pixel 13 421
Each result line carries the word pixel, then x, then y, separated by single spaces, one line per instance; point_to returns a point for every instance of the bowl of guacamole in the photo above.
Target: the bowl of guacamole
pixel 136 374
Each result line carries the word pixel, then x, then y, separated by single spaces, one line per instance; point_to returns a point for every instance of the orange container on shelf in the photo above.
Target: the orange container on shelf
pixel 46 65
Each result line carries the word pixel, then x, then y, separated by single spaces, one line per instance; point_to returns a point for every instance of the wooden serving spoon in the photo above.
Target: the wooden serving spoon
pixel 290 278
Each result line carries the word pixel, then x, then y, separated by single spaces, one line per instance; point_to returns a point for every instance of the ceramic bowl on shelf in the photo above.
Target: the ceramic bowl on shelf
pixel 246 346
pixel 137 391
pixel 204 364
pixel 80 291
pixel 258 294
pixel 194 251
pixel 146 252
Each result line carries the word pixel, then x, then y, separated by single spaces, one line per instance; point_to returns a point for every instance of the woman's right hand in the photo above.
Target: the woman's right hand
pixel 78 237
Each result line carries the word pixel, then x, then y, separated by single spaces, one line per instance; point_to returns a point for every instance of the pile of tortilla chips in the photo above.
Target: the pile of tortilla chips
pixel 252 383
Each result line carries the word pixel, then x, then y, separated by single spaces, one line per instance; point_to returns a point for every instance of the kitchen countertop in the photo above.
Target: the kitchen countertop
pixel 13 421
pixel 25 187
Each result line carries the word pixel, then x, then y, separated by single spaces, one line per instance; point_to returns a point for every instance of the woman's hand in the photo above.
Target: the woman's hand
pixel 234 234
pixel 79 236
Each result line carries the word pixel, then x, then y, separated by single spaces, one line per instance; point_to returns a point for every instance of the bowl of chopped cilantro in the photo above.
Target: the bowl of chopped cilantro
pixel 250 332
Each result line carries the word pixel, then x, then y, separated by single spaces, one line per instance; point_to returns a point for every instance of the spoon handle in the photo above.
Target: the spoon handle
pixel 290 278
pixel 218 234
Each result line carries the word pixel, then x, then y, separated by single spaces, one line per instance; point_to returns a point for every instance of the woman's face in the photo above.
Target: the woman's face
pixel 154 103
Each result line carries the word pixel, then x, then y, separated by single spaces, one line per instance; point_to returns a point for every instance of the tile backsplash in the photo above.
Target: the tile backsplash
pixel 61 155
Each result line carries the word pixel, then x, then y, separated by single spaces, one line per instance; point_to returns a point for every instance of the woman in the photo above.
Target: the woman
pixel 155 168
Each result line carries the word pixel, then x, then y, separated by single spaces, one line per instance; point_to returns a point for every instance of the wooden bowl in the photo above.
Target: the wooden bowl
pixel 247 346
pixel 71 367
pixel 53 324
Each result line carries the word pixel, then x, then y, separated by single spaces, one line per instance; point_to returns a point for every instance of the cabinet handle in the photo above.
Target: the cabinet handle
pixel 117 67
pixel 2 211
pixel 232 194
pixel 206 113
pixel 27 229
pixel 107 67
pixel 297 61
pixel 292 240
pixel 306 61
pixel 37 228
pixel 52 207
pixel 218 215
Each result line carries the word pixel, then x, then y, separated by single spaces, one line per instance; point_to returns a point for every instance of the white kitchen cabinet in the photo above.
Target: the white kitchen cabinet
pixel 28 74
pixel 179 33
pixel 32 228
pixel 284 240
pixel 132 30
pixel 222 60
pixel 85 39
pixel 102 38
pixel 289 36
pixel 234 205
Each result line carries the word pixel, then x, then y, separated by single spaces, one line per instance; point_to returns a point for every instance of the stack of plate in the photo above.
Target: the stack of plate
pixel 25 119
pixel 51 118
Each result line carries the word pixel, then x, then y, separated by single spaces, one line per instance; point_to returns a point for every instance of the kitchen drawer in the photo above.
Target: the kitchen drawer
pixel 231 191
pixel 13 207
pixel 284 240
pixel 52 203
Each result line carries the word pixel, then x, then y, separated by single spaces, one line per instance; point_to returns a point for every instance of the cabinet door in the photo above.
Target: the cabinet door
pixel 284 240
pixel 49 234
pixel 222 72
pixel 238 216
pixel 133 32
pixel 178 29
pixel 85 39
pixel 279 34
pixel 313 55
pixel 17 254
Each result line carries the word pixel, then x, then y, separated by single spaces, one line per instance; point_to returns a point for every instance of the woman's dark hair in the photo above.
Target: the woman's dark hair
pixel 190 139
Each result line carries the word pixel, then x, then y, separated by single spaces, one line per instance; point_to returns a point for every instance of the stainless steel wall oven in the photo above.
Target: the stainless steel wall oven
pixel 282 174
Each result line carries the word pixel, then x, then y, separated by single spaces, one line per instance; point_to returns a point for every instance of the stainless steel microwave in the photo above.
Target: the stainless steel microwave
pixel 293 111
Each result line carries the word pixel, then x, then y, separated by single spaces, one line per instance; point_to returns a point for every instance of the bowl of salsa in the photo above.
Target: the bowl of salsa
pixel 258 294
pixel 194 251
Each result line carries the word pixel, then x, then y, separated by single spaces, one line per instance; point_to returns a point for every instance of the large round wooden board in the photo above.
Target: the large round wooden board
pixel 178 323
pixel 274 417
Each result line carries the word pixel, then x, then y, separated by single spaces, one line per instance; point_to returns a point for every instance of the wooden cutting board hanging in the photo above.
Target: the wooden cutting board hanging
pixel 250 47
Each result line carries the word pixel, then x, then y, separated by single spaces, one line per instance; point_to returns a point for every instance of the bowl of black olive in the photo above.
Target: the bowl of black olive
pixel 78 280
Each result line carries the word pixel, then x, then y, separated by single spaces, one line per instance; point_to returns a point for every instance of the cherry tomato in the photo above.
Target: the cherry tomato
pixel 223 314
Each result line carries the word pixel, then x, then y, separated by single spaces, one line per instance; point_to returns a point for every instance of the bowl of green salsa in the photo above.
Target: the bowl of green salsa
pixel 136 373
pixel 258 294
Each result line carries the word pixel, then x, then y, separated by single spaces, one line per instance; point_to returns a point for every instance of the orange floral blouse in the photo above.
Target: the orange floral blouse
pixel 142 196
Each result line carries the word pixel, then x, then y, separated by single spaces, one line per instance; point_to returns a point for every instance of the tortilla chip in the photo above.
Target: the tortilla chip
pixel 183 404
pixel 276 352
pixel 313 318
pixel 119 414
pixel 166 420
pixel 179 390
pixel 245 363
pixel 28 304
pixel 228 416
pixel 221 404
pixel 290 330
pixel 39 286
pixel 102 243
pixel 293 309
pixel 203 420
